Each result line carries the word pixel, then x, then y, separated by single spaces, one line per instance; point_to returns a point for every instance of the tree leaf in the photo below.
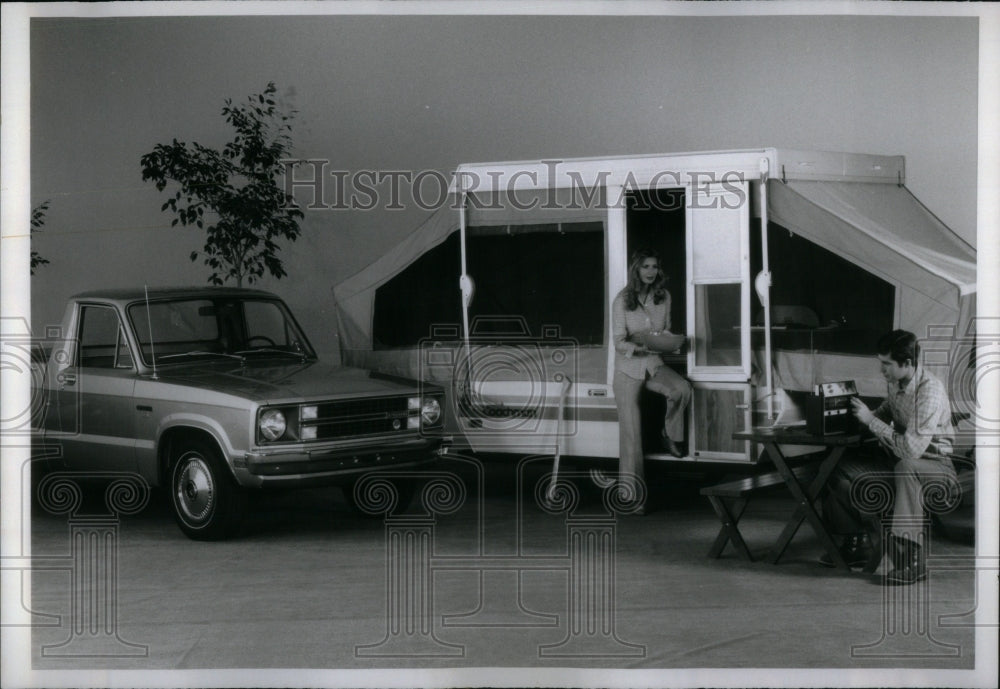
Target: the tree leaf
pixel 234 194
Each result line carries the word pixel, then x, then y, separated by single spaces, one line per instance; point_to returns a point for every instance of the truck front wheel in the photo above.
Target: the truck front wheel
pixel 207 503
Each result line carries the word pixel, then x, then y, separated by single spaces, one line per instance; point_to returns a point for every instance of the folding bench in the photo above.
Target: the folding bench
pixel 730 499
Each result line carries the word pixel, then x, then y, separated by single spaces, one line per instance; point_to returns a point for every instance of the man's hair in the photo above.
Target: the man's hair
pixel 899 345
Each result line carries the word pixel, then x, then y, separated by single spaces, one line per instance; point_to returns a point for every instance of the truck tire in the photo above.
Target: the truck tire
pixel 207 503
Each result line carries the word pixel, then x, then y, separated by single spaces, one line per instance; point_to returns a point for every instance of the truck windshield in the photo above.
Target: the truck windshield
pixel 203 327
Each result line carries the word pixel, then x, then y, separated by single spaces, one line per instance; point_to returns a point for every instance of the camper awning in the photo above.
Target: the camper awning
pixel 874 223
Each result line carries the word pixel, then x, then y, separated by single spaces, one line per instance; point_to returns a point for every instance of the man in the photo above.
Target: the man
pixel 913 427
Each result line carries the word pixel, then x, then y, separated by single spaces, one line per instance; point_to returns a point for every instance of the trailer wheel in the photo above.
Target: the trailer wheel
pixel 207 503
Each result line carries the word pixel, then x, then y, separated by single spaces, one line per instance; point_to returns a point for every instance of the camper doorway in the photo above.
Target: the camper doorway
pixel 702 236
pixel 654 221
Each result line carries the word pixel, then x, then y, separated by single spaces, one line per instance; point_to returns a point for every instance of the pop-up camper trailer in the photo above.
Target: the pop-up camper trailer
pixel 504 294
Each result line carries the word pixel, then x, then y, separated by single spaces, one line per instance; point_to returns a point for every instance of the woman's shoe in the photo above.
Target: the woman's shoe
pixel 670 446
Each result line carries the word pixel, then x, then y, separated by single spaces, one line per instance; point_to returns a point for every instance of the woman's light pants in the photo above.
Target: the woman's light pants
pixel 627 391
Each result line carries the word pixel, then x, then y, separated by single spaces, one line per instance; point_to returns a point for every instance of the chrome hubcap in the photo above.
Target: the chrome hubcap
pixel 195 488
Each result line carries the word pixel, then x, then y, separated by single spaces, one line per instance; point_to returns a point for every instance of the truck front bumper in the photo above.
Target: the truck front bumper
pixel 330 464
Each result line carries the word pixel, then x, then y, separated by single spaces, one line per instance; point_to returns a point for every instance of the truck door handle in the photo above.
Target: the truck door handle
pixel 67 378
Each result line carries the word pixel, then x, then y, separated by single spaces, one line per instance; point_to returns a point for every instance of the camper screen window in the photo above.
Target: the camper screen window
pixel 820 300
pixel 547 275
pixel 422 296
pixel 541 275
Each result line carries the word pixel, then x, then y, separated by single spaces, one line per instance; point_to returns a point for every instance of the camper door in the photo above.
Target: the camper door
pixel 718 319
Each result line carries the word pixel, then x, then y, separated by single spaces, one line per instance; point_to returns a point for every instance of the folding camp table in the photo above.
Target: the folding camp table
pixel 730 499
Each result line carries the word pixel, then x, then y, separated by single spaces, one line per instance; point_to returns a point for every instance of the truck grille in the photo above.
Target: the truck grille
pixel 352 418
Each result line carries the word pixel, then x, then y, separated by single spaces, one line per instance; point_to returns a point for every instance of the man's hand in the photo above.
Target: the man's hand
pixel 862 411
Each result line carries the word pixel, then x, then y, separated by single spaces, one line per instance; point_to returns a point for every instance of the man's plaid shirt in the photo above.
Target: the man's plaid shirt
pixel 920 418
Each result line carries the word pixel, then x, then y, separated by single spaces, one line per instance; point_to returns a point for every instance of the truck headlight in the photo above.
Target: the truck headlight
pixel 430 411
pixel 272 424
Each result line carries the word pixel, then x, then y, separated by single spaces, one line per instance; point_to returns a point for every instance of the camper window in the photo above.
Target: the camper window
pixel 547 274
pixel 717 340
pixel 820 300
pixel 423 295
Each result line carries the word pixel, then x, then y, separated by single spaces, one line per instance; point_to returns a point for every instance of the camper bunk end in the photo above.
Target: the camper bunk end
pixel 784 268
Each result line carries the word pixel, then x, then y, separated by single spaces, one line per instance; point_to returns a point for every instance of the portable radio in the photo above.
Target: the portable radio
pixel 828 408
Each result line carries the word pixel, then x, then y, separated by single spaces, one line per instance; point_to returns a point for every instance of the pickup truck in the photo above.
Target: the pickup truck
pixel 213 392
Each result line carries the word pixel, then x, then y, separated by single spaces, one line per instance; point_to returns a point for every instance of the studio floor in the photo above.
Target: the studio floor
pixel 488 578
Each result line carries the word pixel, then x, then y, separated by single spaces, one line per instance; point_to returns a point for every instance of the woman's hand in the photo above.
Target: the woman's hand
pixel 638 345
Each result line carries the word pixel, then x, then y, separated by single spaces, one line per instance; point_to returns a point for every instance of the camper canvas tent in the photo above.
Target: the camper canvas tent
pixel 784 268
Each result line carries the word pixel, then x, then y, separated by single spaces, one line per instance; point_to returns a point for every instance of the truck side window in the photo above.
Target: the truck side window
pixel 124 356
pixel 100 331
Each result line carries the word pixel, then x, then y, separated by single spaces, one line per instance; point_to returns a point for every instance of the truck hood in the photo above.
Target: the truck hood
pixel 268 380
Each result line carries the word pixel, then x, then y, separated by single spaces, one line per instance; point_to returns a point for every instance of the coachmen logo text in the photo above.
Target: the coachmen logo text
pixel 500 411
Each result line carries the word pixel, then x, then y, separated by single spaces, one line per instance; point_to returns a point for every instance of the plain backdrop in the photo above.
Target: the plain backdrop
pixel 431 92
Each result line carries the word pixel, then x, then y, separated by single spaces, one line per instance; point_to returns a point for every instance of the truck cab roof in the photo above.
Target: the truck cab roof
pixel 130 294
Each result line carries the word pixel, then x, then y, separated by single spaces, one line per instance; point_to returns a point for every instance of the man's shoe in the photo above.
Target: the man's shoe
pixel 908 562
pixel 856 550
pixel 910 574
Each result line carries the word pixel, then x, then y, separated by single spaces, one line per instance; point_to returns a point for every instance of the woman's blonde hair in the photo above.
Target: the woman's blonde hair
pixel 634 285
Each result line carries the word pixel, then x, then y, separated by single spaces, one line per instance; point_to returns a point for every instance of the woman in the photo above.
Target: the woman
pixel 643 306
